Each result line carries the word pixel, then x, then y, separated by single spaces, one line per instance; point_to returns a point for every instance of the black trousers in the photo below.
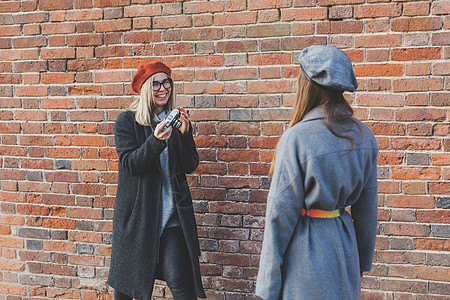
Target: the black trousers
pixel 175 264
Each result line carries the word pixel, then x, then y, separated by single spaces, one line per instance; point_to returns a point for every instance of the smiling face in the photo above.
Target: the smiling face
pixel 161 96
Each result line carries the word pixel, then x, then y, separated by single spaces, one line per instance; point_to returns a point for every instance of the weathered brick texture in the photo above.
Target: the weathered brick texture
pixel 65 71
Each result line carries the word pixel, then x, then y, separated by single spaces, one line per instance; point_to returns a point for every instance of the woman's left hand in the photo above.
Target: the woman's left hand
pixel 184 119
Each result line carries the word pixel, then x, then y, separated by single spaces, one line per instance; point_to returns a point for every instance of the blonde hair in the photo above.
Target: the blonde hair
pixel 144 107
pixel 337 110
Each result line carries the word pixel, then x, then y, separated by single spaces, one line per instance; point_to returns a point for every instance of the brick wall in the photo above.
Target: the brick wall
pixel 65 69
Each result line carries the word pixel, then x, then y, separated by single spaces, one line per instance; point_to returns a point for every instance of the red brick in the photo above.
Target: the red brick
pixel 378 10
pixel 236 46
pixel 420 114
pixel 112 76
pixel 29 42
pixel 335 2
pixel 435 216
pixel 405 229
pixel 141 37
pixel 12 289
pixel 142 11
pixel 378 41
pixel 301 42
pixel 203 88
pixel 417 85
pixel 58 53
pixel 31 91
pixel 58 28
pixel 85 90
pixel 85 40
pixel 57 16
pixel 203 61
pixel 302 29
pixel 32 140
pixel 268 16
pixel 431 273
pixel 84 15
pixel 303 14
pixel 376 70
pixel 110 3
pixel 256 5
pixel 270 30
pixel 441 68
pixel 432 244
pixel 113 51
pixel 440 99
pixel 61 176
pixel 377 100
pixel 57 78
pixel 10 6
pixel 440 8
pixel 203 7
pixel 439 188
pixel 235 18
pixel 13 30
pixel 172 22
pixel 410 54
pixel 84 65
pixel 88 140
pixel 174 49
pixel 89 165
pixel 408 201
pixel 418 69
pixel 269 59
pixel 414 173
pixel 238 155
pixel 113 25
pixel 262 87
pixel 440 159
pixel 339 27
pixel 88 189
pixel 416 24
pixel 416 9
pixel 37 17
pixel 55 5
pixel 232 285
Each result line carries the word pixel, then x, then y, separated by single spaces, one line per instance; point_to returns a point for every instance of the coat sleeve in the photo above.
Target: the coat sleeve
pixel 187 153
pixel 135 158
pixel 284 206
pixel 365 214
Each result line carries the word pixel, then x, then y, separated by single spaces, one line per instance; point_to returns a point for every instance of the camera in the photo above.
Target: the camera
pixel 172 119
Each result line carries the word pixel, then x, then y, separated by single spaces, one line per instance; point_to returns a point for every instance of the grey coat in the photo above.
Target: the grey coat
pixel 137 211
pixel 311 258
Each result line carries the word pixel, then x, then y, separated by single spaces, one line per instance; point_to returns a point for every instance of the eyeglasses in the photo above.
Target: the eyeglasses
pixel 166 83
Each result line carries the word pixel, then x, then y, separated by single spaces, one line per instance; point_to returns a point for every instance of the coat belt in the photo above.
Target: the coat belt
pixel 318 213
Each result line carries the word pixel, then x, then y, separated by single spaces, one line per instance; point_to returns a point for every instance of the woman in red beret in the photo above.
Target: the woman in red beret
pixel 154 229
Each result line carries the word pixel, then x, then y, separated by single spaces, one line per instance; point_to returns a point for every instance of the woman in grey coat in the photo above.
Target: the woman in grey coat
pixel 325 162
pixel 154 229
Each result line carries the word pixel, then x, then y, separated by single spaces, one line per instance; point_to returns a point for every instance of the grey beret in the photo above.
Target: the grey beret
pixel 329 67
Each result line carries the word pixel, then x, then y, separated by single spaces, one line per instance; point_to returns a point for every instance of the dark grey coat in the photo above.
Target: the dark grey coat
pixel 310 258
pixel 137 211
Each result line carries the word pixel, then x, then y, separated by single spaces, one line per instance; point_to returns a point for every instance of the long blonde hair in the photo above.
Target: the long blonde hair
pixel 144 107
pixel 337 110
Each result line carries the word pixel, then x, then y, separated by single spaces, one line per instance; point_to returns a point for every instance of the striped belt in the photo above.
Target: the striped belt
pixel 318 213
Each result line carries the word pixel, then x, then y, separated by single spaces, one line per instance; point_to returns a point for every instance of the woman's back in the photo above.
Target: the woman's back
pixel 333 175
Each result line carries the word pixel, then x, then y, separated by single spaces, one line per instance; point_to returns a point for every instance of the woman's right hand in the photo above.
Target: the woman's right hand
pixel 163 135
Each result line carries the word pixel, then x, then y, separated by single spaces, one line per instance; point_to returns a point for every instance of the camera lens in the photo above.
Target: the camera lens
pixel 176 123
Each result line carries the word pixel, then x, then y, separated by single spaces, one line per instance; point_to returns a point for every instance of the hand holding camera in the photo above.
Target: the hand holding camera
pixel 172 120
pixel 178 118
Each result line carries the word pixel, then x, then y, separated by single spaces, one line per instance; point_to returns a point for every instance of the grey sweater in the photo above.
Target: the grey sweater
pixel 168 216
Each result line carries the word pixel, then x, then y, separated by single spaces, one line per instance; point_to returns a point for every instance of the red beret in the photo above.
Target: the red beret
pixel 144 71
